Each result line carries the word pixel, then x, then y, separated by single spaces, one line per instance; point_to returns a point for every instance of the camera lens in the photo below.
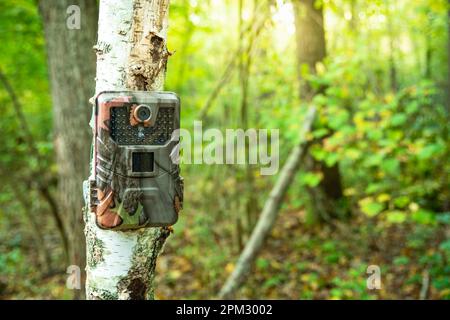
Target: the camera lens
pixel 143 113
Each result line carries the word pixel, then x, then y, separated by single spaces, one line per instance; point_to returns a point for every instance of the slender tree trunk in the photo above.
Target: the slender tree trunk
pixel 131 55
pixel 246 49
pixel 351 40
pixel 252 31
pixel 71 64
pixel 428 58
pixel 354 20
pixel 245 61
pixel 184 48
pixel 310 37
pixel 311 49
pixel 393 77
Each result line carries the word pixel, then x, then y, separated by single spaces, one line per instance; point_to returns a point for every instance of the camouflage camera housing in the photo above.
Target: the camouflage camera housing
pixel 137 184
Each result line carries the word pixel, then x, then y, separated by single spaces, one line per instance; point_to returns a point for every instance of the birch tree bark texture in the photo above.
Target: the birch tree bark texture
pixel 131 55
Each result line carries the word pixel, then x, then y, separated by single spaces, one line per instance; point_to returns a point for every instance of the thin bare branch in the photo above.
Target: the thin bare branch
pixel 253 30
pixel 42 186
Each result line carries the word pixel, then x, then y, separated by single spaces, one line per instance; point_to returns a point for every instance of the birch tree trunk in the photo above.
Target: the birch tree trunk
pixel 131 55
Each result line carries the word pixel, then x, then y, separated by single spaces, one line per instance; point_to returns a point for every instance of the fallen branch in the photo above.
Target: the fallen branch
pixel 425 285
pixel 269 214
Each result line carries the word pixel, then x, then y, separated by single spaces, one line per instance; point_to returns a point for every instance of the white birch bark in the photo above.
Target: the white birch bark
pixel 131 55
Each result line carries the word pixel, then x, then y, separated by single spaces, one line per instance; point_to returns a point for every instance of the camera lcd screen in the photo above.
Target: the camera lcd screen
pixel 143 161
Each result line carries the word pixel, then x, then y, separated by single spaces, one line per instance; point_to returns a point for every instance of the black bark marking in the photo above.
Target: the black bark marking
pixel 137 289
pixel 138 283
pixel 149 57
pixel 157 47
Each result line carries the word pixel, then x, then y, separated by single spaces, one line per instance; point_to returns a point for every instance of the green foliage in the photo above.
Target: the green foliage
pixel 393 144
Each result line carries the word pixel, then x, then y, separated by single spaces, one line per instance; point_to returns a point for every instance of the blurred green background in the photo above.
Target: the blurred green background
pixel 382 92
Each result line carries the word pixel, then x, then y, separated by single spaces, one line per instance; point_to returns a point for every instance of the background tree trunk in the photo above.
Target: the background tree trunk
pixel 393 73
pixel 121 264
pixel 310 38
pixel 71 64
pixel 311 49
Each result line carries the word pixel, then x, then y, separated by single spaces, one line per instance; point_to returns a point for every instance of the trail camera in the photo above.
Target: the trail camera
pixel 137 184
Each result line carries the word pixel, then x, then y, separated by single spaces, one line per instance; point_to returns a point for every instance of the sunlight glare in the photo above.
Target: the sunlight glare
pixel 284 21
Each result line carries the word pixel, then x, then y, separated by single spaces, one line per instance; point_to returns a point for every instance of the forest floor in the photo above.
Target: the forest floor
pixel 298 262
pixel 322 262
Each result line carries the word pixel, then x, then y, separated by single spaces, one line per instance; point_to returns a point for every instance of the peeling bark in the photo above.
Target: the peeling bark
pixel 131 55
pixel 149 54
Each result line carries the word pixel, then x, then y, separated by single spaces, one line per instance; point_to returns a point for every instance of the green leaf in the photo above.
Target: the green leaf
pixel 443 218
pixel 396 216
pixel 375 134
pixel 373 160
pixel 402 201
pixel 430 151
pixel 401 261
pixel 331 159
pixel 391 166
pixel 445 246
pixel 374 188
pixel 311 179
pixel 412 107
pixel 319 133
pixel 339 120
pixel 423 217
pixel 370 208
pixel 262 263
pixel 398 119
